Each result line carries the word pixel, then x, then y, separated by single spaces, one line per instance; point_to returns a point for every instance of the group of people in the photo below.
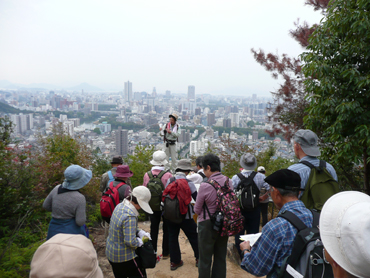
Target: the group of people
pixel 344 219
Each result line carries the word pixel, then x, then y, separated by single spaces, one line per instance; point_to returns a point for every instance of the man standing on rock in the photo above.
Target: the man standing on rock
pixel 171 132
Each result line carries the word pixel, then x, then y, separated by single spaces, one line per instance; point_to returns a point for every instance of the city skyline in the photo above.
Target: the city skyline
pixel 166 44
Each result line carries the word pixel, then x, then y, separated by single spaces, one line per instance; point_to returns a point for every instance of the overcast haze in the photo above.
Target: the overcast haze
pixel 164 44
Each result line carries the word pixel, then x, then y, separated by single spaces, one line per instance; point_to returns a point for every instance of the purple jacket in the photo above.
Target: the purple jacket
pixel 207 194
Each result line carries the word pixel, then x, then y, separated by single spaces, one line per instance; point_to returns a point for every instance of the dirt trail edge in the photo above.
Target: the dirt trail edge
pixel 162 269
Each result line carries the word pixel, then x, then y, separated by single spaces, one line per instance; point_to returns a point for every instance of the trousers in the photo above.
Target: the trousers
pixel 211 244
pixel 155 220
pixel 190 229
pixel 171 152
pixel 251 225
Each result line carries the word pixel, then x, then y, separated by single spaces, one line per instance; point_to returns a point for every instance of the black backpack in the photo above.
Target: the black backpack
pixel 307 255
pixel 171 207
pixel 248 192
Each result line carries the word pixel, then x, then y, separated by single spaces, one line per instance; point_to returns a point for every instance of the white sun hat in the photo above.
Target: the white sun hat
pixel 345 231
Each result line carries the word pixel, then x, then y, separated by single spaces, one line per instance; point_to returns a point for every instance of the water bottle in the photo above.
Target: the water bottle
pixel 218 222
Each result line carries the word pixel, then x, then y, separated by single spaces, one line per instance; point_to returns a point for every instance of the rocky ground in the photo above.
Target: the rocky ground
pixel 162 269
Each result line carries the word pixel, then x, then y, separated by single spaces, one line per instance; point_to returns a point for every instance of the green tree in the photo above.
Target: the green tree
pixel 337 66
pixel 97 130
pixel 267 159
pixel 139 163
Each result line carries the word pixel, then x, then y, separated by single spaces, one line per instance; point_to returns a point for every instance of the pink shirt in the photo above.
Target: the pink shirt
pixel 207 194
pixel 164 179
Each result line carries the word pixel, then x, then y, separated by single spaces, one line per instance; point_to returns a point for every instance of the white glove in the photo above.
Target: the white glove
pixel 140 242
pixel 148 235
pixel 142 233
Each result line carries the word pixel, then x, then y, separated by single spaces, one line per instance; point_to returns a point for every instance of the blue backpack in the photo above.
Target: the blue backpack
pixel 111 178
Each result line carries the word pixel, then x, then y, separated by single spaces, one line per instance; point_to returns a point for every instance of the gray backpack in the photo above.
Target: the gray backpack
pixel 307 255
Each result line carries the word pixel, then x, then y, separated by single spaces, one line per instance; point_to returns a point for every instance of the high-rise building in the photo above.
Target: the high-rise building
pixel 198 111
pixel 255 135
pixel 168 94
pixel 121 141
pixel 211 119
pixel 226 123
pixel 128 91
pixel 234 119
pixel 191 92
pixel 137 96
pixel 22 122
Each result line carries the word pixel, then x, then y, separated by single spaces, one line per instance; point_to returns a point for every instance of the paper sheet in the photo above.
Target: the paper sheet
pixel 251 237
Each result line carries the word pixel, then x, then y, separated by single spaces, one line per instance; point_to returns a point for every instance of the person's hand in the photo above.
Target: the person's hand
pixel 245 245
pixel 263 197
pixel 139 241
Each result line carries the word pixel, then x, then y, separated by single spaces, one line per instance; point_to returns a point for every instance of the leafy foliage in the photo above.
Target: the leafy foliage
pixel 337 67
pixel 139 163
pixel 27 174
pixel 287 111
pixel 266 159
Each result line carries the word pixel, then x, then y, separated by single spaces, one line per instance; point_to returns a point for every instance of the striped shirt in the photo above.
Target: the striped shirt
pixel 122 242
pixel 304 171
pixel 276 242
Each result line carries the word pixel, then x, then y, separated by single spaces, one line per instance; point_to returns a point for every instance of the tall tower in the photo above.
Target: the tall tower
pixel 121 141
pixel 191 92
pixel 128 91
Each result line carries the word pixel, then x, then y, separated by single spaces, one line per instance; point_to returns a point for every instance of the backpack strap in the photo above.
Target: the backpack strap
pixel 110 175
pixel 202 174
pixel 322 165
pixel 150 174
pixel 241 178
pixel 316 218
pixel 161 174
pixel 293 219
pixel 307 164
pixel 119 185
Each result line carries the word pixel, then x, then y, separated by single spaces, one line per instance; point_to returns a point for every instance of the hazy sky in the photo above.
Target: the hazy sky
pixel 167 44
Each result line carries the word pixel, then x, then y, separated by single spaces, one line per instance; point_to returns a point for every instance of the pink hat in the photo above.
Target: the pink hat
pixel 123 171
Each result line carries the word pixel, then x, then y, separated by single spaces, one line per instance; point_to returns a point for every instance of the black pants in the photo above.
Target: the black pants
pixel 155 220
pixel 264 211
pixel 190 229
pixel 130 269
pixel 251 225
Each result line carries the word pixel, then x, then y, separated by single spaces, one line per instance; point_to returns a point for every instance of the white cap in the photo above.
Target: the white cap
pixel 345 231
pixel 143 196
pixel 261 168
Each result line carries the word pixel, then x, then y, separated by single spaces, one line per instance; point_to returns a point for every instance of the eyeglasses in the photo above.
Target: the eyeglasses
pixel 323 252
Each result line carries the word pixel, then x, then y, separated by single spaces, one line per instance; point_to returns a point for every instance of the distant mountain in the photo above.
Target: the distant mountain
pixel 5 84
pixel 5 108
pixel 86 87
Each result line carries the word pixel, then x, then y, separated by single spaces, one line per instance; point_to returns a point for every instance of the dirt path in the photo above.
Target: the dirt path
pixel 162 269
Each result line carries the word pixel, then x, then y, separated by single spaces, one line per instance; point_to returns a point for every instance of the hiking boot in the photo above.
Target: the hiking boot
pixel 176 266
pixel 196 262
pixel 165 257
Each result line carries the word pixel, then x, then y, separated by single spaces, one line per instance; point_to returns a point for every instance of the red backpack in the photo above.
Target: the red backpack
pixel 227 219
pixel 109 201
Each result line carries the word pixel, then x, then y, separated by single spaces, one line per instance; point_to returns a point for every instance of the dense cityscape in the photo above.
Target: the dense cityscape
pixel 113 123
